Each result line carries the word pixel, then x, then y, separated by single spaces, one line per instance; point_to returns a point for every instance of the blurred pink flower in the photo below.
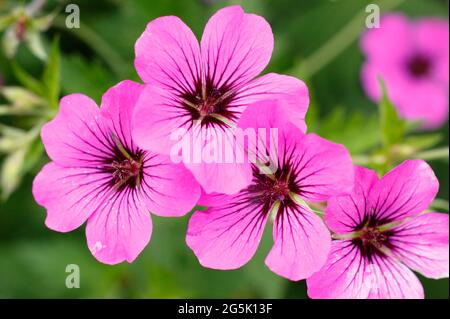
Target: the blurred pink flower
pixel 98 174
pixel 309 168
pixel 383 232
pixel 208 86
pixel 413 60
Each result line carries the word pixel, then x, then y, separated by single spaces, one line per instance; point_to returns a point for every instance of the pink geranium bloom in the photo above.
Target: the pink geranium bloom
pixel 207 86
pixel 309 168
pixel 382 231
pixel 98 174
pixel 412 58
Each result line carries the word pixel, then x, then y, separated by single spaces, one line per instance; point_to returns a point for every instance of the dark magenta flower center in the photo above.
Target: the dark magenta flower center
pixel 126 166
pixel 209 105
pixel 419 66
pixel 372 238
pixel 127 172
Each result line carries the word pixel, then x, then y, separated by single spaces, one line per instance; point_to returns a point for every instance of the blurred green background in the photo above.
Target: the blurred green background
pixel 33 259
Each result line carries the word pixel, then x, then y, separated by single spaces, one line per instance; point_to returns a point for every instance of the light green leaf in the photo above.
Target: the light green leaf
pixel 393 128
pixel 34 43
pixel 51 77
pixel 21 98
pixel 5 21
pixel 11 172
pixel 10 42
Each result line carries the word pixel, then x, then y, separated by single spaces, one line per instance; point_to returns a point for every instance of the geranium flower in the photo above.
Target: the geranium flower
pixel 309 168
pixel 98 174
pixel 412 59
pixel 381 232
pixel 207 86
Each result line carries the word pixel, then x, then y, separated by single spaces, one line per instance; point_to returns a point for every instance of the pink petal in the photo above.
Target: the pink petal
pixel 325 168
pixel 168 189
pixel 345 212
pixel 422 244
pixel 405 191
pixel 117 109
pixel 302 243
pixel 168 55
pixel 293 93
pixel 220 169
pixel 347 275
pixel 119 230
pixel 70 195
pixel 394 33
pixel 226 236
pixel 431 36
pixel 76 136
pixel 235 46
pixel 157 119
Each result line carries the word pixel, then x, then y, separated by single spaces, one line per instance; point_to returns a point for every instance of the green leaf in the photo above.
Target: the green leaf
pixel 51 77
pixel 11 172
pixel 27 80
pixel 34 42
pixel 10 42
pixel 5 21
pixel 393 128
pixel 421 142
pixel 343 127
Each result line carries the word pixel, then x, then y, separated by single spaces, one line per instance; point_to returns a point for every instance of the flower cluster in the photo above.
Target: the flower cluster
pixel 113 165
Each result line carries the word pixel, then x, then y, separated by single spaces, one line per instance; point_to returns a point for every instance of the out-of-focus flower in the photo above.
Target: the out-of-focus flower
pixel 24 24
pixel 98 174
pixel 412 58
pixel 381 232
pixel 309 168
pixel 207 87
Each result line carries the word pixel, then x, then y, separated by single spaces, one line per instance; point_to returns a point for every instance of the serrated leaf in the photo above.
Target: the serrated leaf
pixel 52 75
pixel 393 128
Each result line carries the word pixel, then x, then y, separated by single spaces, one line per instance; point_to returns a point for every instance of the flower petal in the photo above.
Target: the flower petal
pixel 77 136
pixel 422 244
pixel 394 32
pixel 169 189
pixel 157 120
pixel 345 212
pixel 405 191
pixel 293 93
pixel 70 195
pixel 117 108
pixel 325 169
pixel 235 47
pixel 347 275
pixel 120 229
pixel 168 55
pixel 226 236
pixel 302 243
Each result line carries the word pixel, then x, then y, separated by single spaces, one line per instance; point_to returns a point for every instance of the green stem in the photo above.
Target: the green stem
pixel 98 44
pixel 338 43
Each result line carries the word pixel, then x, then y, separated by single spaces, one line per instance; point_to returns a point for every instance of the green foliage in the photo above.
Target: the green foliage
pixel 101 53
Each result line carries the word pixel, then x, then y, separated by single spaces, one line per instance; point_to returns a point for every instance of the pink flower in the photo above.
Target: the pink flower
pixel 382 232
pixel 309 168
pixel 208 86
pixel 98 174
pixel 412 58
